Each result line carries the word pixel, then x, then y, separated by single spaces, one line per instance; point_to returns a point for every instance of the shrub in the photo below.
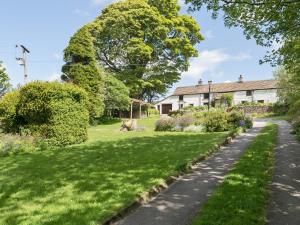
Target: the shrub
pixel 14 144
pixel 195 129
pixel 216 121
pixel 248 122
pixel 53 111
pixel 165 124
pixel 235 117
pixel 8 111
pixel 153 111
pixel 184 121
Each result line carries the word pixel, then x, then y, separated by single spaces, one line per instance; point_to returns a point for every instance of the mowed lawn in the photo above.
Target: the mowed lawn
pixel 88 183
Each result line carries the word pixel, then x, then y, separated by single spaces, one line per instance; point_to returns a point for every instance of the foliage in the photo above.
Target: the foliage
pixel 242 197
pixel 268 22
pixel 147 45
pixel 15 144
pixel 93 181
pixel 185 121
pixel 153 111
pixel 187 109
pixel 195 129
pixel 81 69
pixel 165 124
pixel 116 95
pixel 216 121
pixel 53 111
pixel 4 81
pixel 228 98
pixel 8 112
pixel 235 117
pixel 289 82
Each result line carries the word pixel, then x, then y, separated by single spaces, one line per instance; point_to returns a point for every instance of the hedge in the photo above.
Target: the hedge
pixel 53 111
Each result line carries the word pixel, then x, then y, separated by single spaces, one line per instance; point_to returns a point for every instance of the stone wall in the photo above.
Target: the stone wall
pixel 248 109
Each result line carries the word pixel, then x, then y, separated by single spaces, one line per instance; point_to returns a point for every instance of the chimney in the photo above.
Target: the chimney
pixel 241 79
pixel 200 82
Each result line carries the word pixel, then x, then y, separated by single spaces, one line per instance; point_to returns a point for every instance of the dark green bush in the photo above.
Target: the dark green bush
pixel 53 111
pixel 165 124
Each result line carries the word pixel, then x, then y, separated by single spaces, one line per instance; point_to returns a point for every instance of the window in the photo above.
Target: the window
pixel 248 93
pixel 180 106
pixel 180 97
pixel 158 108
pixel 261 101
pixel 192 105
pixel 206 96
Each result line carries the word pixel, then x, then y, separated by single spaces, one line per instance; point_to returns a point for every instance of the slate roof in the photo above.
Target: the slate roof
pixel 227 87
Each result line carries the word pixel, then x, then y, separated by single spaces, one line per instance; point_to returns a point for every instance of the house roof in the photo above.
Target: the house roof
pixel 227 87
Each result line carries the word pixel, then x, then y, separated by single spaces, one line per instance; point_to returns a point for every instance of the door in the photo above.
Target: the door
pixel 166 108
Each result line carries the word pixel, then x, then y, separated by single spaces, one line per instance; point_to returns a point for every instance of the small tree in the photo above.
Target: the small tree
pixel 116 95
pixel 4 81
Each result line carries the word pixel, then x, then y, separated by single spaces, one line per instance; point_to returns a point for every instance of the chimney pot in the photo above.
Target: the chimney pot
pixel 200 82
pixel 241 79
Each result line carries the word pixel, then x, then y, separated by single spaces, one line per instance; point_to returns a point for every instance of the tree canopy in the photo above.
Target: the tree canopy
pixel 268 22
pixel 116 95
pixel 147 44
pixel 4 81
pixel 81 69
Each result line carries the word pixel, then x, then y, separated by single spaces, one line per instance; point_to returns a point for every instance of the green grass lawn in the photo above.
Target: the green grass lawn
pixel 86 184
pixel 241 199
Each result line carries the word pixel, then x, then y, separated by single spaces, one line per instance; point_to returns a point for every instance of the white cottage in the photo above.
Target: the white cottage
pixel 264 91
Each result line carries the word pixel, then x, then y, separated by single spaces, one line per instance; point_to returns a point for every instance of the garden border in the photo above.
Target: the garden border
pixel 154 191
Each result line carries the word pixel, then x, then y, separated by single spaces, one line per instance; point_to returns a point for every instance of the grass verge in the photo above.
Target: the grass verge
pixel 242 197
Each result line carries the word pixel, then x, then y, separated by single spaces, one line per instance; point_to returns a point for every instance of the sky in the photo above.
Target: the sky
pixel 45 28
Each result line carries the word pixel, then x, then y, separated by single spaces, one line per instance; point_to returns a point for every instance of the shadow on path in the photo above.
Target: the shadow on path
pixel 284 205
pixel 180 203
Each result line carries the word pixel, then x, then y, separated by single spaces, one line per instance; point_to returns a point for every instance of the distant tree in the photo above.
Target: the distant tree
pixel 4 80
pixel 116 95
pixel 147 44
pixel 81 69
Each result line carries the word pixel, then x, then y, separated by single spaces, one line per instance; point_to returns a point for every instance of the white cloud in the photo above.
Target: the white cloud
pixel 228 81
pixel 209 62
pixel 80 12
pixel 57 56
pixel 208 34
pixel 102 2
pixel 55 77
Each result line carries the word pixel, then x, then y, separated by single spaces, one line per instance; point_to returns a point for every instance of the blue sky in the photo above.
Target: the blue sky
pixel 45 28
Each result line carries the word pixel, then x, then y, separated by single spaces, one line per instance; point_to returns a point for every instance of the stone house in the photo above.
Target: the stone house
pixel 264 91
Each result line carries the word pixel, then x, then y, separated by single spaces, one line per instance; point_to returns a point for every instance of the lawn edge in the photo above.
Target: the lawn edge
pixel 157 189
pixel 270 171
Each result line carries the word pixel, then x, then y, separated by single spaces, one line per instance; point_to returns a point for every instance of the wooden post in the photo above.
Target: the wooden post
pixel 131 108
pixel 140 110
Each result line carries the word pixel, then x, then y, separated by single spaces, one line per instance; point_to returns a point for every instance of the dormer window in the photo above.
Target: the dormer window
pixel 180 97
pixel 206 96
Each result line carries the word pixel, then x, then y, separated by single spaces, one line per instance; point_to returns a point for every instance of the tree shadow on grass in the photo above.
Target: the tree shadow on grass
pixel 88 183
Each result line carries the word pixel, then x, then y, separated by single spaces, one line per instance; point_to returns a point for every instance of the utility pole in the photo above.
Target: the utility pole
pixel 22 61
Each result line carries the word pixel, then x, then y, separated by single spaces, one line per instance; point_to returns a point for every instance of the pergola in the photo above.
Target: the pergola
pixel 140 103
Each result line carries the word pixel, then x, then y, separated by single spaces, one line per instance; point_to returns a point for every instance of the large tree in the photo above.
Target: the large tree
pixel 147 44
pixel 81 69
pixel 267 21
pixel 4 80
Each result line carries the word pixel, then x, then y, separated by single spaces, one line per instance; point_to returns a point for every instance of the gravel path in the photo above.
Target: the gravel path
pixel 179 204
pixel 284 206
